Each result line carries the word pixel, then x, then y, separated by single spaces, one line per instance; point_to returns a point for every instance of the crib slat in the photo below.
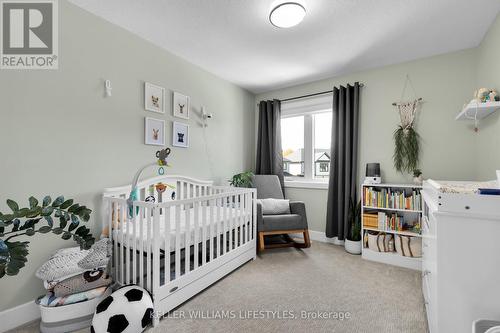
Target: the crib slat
pixel 254 219
pixel 217 204
pixel 204 233
pixel 127 251
pixel 187 232
pixel 196 208
pixel 134 249
pixel 122 226
pixel 224 224
pixel 141 252
pixel 148 250
pixel 114 221
pixel 156 249
pixel 248 217
pixel 177 241
pixel 212 211
pixel 230 222
pixel 167 246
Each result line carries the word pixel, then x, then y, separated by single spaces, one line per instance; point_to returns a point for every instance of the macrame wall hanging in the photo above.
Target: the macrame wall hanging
pixel 406 139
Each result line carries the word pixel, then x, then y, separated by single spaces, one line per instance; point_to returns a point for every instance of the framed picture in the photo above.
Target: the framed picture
pixel 180 105
pixel 154 98
pixel 180 135
pixel 154 131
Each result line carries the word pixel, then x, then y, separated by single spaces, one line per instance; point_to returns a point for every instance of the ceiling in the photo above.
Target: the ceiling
pixel 234 39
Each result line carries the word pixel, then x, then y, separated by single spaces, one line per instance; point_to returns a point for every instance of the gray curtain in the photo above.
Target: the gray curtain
pixel 269 152
pixel 343 164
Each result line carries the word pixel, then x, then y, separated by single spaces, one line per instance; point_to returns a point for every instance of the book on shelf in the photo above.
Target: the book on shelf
pixel 386 197
pixel 395 222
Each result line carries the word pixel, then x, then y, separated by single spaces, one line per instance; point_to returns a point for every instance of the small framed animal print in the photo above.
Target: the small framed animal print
pixel 154 98
pixel 154 131
pixel 180 135
pixel 180 105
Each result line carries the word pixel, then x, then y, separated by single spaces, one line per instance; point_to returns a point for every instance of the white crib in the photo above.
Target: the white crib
pixel 192 235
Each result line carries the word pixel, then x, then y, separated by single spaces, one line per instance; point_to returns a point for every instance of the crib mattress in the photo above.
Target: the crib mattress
pixel 218 224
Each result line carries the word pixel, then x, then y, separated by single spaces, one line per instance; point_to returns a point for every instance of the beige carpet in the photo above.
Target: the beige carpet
pixel 323 279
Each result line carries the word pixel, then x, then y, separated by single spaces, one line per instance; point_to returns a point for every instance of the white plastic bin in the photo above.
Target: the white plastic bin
pixel 71 317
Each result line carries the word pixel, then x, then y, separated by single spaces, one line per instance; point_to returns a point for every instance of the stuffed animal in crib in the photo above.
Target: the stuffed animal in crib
pixel 127 310
pixel 162 155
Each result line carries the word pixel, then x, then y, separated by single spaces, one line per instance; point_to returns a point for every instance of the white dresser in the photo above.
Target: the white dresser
pixel 461 256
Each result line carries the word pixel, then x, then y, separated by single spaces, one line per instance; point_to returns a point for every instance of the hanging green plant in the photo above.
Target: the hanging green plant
pixel 406 149
pixel 25 221
pixel 406 139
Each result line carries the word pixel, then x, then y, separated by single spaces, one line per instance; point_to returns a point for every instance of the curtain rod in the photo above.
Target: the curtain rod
pixel 311 95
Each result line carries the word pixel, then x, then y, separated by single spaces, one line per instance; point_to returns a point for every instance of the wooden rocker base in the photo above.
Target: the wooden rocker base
pixel 290 242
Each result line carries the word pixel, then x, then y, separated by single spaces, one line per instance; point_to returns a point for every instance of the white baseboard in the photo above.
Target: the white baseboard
pixel 18 316
pixel 321 237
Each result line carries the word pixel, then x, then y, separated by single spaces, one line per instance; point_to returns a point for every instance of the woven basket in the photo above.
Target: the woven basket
pixel 408 246
pixel 380 242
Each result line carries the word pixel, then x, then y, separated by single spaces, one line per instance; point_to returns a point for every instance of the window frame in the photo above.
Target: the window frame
pixel 307 108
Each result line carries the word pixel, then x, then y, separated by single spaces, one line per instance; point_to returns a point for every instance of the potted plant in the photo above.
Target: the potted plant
pixel 243 179
pixel 352 243
pixel 417 177
pixel 39 219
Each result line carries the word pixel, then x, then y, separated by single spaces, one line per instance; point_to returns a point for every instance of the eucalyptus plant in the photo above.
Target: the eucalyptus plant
pixel 406 149
pixel 59 217
pixel 243 179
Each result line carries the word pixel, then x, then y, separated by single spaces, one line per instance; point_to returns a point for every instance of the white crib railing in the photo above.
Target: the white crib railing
pixel 181 242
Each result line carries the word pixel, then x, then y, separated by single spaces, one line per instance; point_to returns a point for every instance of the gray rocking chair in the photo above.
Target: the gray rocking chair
pixel 268 186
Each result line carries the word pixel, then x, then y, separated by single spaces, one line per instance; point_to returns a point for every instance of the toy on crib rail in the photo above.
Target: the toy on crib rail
pixel 161 155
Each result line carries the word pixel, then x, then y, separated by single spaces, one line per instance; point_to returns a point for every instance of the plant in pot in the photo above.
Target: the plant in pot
pixel 352 243
pixel 417 177
pixel 39 219
pixel 243 179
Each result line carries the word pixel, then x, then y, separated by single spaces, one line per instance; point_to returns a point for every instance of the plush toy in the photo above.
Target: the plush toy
pixel 481 95
pixel 127 310
pixel 493 95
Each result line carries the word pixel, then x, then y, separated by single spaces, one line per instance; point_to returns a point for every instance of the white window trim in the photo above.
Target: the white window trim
pixel 307 108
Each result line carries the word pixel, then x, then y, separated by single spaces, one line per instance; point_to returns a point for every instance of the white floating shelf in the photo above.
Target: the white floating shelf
pixel 475 110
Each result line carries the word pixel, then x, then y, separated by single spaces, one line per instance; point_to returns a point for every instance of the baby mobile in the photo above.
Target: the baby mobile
pixel 161 162
pixel 406 138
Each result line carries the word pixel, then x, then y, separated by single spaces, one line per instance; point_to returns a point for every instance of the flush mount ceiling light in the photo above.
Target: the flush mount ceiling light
pixel 287 14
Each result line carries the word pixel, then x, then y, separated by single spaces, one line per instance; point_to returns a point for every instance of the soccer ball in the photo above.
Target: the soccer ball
pixel 127 310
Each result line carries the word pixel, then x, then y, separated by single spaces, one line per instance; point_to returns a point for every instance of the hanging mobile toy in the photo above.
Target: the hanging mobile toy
pixel 161 155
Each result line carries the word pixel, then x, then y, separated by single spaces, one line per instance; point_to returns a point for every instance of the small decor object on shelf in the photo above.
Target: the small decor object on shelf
pixel 154 131
pixel 373 173
pixel 181 105
pixel 127 310
pixel 180 135
pixel 417 177
pixel 352 243
pixel 154 98
pixel 23 221
pixel 481 95
pixel 243 179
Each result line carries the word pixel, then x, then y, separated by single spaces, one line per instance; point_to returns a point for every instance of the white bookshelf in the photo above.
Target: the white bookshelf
pixel 391 258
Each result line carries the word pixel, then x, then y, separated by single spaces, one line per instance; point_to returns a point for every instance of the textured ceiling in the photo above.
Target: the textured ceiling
pixel 234 39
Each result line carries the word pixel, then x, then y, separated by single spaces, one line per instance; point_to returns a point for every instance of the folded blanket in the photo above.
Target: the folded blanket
pixel 63 263
pixel 98 256
pixel 86 281
pixel 74 261
pixel 51 300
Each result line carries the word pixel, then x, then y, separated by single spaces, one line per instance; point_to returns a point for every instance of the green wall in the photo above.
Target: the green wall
pixel 60 135
pixel 444 82
pixel 488 76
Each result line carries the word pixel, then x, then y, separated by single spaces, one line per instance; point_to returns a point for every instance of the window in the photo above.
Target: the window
pixel 322 143
pixel 292 143
pixel 306 139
